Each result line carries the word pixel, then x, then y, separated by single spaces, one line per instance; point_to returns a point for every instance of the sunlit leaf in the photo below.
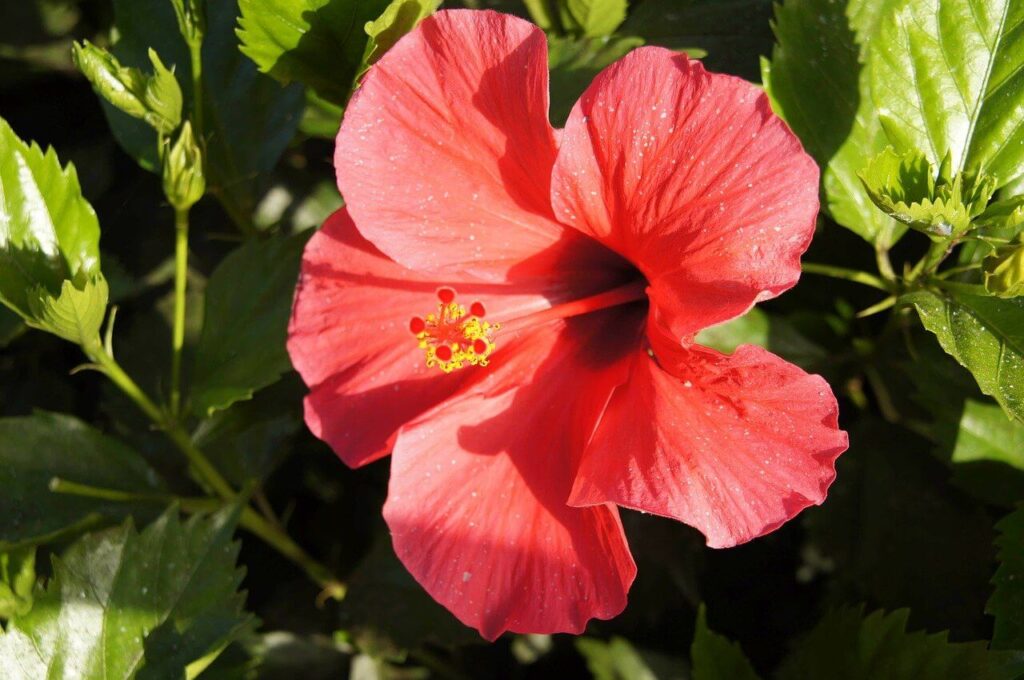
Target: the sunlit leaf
pixel 127 605
pixel 319 43
pixel 400 17
pixel 48 231
pixel 817 83
pixel 986 335
pixel 615 659
pixel 17 582
pixel 593 18
pixel 948 75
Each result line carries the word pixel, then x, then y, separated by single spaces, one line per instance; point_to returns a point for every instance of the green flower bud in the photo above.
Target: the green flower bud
pixel 184 181
pixel 1004 271
pixel 156 99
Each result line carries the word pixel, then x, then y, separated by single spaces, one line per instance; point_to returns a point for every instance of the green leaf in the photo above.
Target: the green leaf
pixel 123 604
pixel 155 99
pixel 846 645
pixel 1004 271
pixel 400 17
pixel 892 521
pixel 715 657
pixel 816 82
pixel 575 62
pixel 17 582
pixel 593 18
pixel 76 314
pixel 248 302
pixel 757 327
pixel 986 335
pixel 985 433
pixel 247 441
pixel 319 43
pixel 1003 214
pixel 242 142
pixel 37 448
pixel 908 188
pixel 1007 601
pixel 48 231
pixel 615 659
pixel 948 75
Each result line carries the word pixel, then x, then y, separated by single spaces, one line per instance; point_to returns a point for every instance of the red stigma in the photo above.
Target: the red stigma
pixel 444 353
pixel 477 310
pixel 445 295
pixel 479 346
pixel 417 325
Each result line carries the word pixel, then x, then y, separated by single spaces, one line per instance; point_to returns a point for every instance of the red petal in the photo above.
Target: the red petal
pixel 350 339
pixel 732 445
pixel 445 154
pixel 477 501
pixel 692 177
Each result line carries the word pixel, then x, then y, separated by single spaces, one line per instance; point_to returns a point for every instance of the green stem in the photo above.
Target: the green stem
pixel 884 264
pixel 180 290
pixel 249 520
pixel 958 287
pixel 274 536
pixel 937 252
pixel 196 53
pixel 845 274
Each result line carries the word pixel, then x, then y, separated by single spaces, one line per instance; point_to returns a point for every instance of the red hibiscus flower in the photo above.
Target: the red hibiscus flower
pixel 509 310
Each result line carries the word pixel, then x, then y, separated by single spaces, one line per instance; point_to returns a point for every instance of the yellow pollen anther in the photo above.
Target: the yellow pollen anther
pixel 453 338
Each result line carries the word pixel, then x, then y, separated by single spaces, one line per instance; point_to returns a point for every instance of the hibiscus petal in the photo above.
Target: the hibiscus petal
pixel 349 338
pixel 477 501
pixel 732 445
pixel 691 177
pixel 445 153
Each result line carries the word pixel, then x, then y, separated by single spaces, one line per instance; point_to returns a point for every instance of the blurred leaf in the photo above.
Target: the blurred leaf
pixel 397 19
pixel 37 448
pixel 48 231
pixel 575 62
pixel 615 659
pixel 1007 601
pixel 319 43
pixel 819 52
pixel 891 522
pixel 248 302
pixel 715 657
pixel 846 645
pixel 242 142
pixel 986 433
pixel 17 582
pixel 320 118
pixel 128 605
pixel 772 332
pixel 247 441
pixel 1006 213
pixel 593 18
pixel 971 102
pixel 733 33
pixel 986 335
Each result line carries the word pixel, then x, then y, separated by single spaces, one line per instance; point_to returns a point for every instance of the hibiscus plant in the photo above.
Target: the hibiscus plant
pixel 512 338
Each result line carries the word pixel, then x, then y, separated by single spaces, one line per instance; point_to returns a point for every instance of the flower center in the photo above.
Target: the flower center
pixel 454 337
pixel 451 338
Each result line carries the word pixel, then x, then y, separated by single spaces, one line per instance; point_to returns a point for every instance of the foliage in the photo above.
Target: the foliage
pixel 197 135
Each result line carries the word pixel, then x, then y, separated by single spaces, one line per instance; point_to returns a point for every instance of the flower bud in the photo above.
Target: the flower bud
pixel 184 181
pixel 154 98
